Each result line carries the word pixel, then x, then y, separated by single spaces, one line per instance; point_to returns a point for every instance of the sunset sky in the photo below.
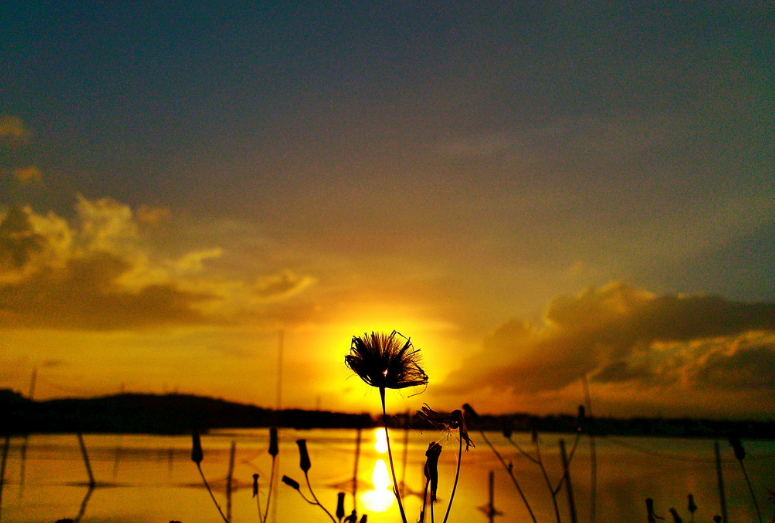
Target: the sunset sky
pixel 534 192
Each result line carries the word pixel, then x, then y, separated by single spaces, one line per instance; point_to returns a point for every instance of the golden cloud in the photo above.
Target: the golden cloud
pixel 12 127
pixel 29 174
pixel 624 336
pixel 95 273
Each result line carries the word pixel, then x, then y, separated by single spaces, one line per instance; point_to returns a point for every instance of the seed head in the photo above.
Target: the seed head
pixel 386 361
pixel 196 449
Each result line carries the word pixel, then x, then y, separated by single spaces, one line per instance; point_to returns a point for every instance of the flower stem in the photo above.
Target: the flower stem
pixel 269 496
pixel 511 475
pixel 390 456
pixel 317 502
pixel 211 493
pixel 457 475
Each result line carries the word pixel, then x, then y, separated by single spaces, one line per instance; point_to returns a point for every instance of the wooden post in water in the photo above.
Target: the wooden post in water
pixel 722 496
pixel 229 477
pixel 568 483
pixel 86 460
pixel 355 470
pixel 491 505
pixel 2 470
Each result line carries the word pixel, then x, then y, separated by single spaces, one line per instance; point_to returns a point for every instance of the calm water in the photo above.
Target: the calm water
pixel 151 478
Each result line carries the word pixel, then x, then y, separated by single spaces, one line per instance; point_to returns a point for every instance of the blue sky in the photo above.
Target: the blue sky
pixel 178 183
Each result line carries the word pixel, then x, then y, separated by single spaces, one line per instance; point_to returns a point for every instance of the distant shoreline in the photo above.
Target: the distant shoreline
pixel 183 413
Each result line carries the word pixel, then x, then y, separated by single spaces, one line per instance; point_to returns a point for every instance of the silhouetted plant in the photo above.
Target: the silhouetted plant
pixel 692 508
pixel 431 471
pixel 197 455
pixel 305 464
pixel 448 422
pixel 387 362
pixel 650 514
pixel 274 450
pixel 474 417
pixel 737 446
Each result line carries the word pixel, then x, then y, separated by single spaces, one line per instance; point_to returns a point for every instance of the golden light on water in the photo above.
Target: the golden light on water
pixel 381 498
pixel 381 444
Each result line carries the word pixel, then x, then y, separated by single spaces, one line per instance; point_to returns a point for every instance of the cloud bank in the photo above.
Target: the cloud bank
pixel 632 345
pixel 95 273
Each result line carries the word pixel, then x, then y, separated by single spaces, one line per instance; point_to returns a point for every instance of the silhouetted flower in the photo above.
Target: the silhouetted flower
pixel 255 485
pixel 432 468
pixel 652 517
pixel 291 482
pixel 273 447
pixel 737 446
pixel 386 361
pixel 340 506
pixel 196 450
pixel 447 422
pixel 692 505
pixel 676 517
pixel 304 463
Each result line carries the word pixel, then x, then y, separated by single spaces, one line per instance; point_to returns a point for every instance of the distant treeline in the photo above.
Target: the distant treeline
pixel 183 413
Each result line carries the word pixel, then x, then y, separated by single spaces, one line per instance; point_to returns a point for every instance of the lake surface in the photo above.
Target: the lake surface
pixel 142 478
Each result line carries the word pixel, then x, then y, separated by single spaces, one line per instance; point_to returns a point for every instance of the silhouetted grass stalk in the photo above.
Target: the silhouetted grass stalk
pixel 274 450
pixel 196 456
pixel 737 445
pixel 457 476
pixel 568 482
pixel 511 475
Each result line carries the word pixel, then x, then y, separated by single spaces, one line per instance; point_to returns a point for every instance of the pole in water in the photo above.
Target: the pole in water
pixel 86 460
pixel 722 496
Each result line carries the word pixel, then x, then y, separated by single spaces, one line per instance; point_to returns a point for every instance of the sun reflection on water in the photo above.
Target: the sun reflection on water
pixel 381 498
pixel 381 444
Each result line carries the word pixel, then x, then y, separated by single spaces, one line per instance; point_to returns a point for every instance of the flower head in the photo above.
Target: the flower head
pixel 447 422
pixel 386 361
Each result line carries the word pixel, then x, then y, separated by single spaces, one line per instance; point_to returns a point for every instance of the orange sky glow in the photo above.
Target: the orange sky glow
pixel 535 195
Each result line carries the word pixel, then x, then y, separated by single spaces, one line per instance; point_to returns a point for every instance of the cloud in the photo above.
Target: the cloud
pixel 621 336
pixel 281 285
pixel 13 128
pixel 29 174
pixel 95 273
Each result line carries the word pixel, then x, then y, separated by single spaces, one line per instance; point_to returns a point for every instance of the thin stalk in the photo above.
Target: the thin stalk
pixel 390 456
pixel 540 462
pixel 207 485
pixel 306 476
pixel 750 489
pixel 269 495
pixel 511 475
pixel 720 477
pixel 424 500
pixel 568 483
pixel 457 476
